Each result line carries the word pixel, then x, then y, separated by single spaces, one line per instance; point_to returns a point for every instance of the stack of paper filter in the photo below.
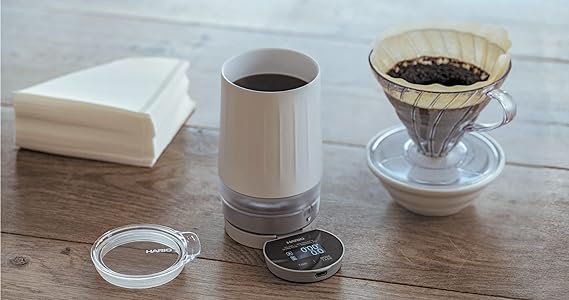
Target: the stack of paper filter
pixel 126 111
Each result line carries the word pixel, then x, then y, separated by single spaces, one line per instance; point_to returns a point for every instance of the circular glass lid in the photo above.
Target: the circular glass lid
pixel 143 255
pixel 475 159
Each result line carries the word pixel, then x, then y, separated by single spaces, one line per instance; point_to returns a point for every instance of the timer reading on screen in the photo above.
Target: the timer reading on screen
pixel 306 251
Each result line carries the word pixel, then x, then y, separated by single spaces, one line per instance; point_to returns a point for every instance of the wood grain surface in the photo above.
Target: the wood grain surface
pixel 49 269
pixel 511 243
pixel 538 27
pixel 500 246
pixel 350 94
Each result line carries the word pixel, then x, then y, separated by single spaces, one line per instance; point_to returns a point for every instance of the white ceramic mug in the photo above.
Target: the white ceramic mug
pixel 270 144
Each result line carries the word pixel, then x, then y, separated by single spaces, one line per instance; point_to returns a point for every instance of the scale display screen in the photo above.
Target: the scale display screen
pixel 310 250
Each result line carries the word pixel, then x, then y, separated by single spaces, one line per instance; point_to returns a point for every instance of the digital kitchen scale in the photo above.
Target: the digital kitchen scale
pixel 309 256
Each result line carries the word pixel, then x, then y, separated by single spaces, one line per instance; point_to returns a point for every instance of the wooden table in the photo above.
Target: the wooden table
pixel 512 243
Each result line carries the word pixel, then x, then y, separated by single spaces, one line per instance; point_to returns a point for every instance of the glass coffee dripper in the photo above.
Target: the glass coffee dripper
pixel 440 144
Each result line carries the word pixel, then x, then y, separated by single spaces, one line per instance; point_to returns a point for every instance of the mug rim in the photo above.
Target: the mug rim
pixel 236 56
pixel 446 92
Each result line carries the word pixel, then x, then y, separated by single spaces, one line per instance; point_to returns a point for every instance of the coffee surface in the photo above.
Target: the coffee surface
pixel 446 71
pixel 270 82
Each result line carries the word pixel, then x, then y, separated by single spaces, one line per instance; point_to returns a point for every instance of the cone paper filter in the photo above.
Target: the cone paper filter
pixel 483 46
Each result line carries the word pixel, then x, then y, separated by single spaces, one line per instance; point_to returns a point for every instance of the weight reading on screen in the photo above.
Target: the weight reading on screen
pixel 306 251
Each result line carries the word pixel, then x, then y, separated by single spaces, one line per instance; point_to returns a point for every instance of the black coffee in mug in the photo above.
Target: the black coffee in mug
pixel 270 82
pixel 446 71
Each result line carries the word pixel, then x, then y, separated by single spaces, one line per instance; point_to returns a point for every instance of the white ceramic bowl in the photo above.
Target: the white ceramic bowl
pixel 434 200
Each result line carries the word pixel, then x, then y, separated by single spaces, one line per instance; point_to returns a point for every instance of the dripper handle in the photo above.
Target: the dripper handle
pixel 508 105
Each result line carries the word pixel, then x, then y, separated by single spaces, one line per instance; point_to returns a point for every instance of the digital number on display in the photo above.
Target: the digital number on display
pixel 314 249
pixel 306 251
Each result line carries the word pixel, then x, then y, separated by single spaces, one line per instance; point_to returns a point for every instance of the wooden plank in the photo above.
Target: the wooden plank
pixel 62 42
pixel 537 28
pixel 34 268
pixel 511 242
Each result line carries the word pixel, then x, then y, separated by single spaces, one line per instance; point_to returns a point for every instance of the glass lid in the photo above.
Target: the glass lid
pixel 143 255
